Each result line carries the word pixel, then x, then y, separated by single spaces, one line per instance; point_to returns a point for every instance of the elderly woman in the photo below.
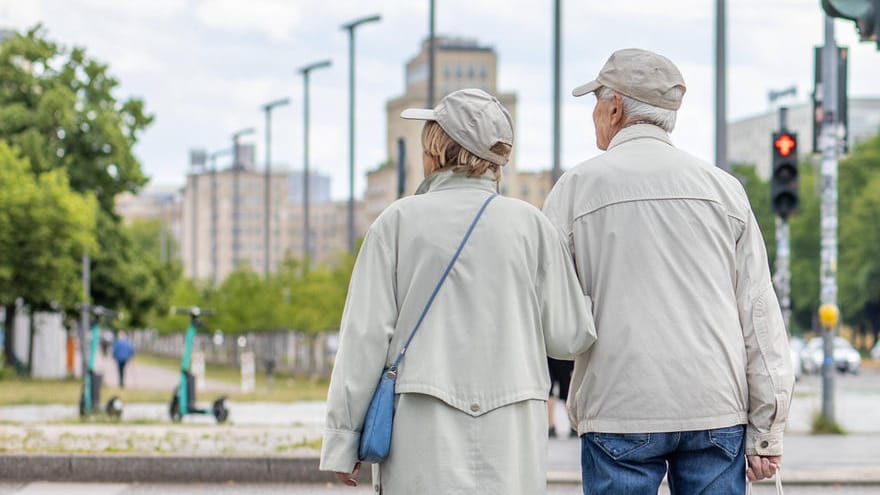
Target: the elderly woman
pixel 471 412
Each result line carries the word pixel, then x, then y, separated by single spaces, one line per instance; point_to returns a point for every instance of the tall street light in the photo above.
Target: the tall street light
pixel 721 87
pixel 236 196
pixel 431 55
pixel 351 27
pixel 267 236
pixel 305 73
pixel 213 156
pixel 557 13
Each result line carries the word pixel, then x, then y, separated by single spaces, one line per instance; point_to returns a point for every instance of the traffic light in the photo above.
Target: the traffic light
pixel 784 182
pixel 866 14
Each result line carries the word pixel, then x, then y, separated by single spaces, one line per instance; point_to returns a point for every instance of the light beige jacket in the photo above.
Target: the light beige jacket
pixel 511 300
pixel 690 334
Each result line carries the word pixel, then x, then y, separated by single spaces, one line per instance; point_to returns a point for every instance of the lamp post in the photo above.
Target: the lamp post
pixel 236 196
pixel 557 55
pixel 213 157
pixel 721 87
pixel 350 27
pixel 431 55
pixel 267 236
pixel 305 73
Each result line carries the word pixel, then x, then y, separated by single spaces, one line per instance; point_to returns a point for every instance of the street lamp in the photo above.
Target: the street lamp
pixel 557 57
pixel 351 27
pixel 305 73
pixel 431 54
pixel 267 238
pixel 213 156
pixel 236 197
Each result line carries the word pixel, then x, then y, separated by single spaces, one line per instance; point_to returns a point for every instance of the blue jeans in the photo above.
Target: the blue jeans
pixel 707 461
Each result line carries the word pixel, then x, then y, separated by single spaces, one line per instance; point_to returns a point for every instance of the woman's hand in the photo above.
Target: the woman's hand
pixel 350 479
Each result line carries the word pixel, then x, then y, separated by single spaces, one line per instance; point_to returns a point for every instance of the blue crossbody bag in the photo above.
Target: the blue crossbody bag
pixel 376 433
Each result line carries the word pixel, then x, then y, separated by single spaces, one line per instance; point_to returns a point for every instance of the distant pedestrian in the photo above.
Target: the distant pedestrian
pixel 123 351
pixel 471 411
pixel 106 340
pixel 691 376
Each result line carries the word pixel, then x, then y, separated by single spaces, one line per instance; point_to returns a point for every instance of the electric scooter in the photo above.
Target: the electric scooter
pixel 90 398
pixel 183 402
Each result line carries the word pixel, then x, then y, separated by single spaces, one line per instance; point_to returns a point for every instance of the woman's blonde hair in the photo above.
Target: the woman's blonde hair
pixel 449 154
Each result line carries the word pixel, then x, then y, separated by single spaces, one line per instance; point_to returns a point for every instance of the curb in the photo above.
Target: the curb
pixel 160 469
pixel 189 469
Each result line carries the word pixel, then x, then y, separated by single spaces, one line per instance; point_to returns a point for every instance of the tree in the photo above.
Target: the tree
pixel 58 107
pixel 44 227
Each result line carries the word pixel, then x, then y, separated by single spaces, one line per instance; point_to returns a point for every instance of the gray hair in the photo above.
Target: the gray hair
pixel 662 117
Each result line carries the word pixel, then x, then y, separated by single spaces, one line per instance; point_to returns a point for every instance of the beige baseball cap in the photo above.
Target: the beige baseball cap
pixel 640 74
pixel 473 118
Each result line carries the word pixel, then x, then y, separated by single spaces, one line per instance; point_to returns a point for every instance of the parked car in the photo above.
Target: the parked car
pixel 846 358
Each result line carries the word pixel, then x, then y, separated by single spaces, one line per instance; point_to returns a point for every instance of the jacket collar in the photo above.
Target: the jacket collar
pixel 639 131
pixel 445 179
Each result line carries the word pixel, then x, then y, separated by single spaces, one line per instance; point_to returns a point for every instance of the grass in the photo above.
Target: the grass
pixel 823 425
pixel 27 391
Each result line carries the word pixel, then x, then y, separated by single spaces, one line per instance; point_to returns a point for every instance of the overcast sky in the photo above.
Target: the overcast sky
pixel 204 67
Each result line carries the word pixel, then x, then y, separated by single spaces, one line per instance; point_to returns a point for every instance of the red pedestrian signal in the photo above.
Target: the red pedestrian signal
pixel 784 144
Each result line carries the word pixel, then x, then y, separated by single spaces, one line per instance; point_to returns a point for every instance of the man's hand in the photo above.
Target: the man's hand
pixel 762 466
pixel 350 479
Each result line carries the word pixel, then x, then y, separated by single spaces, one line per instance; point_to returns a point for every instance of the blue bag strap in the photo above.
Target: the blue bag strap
pixel 467 235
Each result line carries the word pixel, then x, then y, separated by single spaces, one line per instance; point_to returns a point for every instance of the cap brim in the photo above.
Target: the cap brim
pixel 418 114
pixel 586 88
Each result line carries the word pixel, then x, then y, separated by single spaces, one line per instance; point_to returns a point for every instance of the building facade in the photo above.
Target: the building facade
pixel 749 140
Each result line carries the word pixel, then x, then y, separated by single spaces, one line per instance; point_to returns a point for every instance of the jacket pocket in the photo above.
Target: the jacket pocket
pixel 619 446
pixel 729 439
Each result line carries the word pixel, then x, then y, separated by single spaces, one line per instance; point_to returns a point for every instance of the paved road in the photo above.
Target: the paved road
pixel 226 489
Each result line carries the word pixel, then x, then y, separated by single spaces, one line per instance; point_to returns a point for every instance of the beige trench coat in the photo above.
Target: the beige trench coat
pixel 471 412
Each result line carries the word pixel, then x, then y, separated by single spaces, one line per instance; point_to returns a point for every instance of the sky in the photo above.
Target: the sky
pixel 205 67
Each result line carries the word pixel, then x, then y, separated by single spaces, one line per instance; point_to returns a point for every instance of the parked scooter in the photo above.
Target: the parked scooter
pixel 90 397
pixel 183 402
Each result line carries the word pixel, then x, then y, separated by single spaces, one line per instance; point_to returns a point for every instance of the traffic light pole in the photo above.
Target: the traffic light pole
pixel 782 277
pixel 829 145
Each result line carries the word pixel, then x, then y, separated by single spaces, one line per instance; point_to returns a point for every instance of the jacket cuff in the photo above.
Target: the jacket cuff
pixel 339 450
pixel 763 444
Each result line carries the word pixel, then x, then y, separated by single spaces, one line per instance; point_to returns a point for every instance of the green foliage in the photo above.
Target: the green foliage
pixel 287 300
pixel 58 107
pixel 823 425
pixel 44 228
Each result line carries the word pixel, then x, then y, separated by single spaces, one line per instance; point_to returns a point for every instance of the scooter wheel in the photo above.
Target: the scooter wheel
pixel 114 407
pixel 221 412
pixel 174 409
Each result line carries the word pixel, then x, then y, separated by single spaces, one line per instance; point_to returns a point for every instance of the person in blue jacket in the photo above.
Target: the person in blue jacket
pixel 123 350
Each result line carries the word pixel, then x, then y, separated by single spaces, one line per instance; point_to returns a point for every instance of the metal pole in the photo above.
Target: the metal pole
pixel 829 145
pixel 236 196
pixel 431 55
pixel 782 278
pixel 557 168
pixel 267 236
pixel 306 234
pixel 195 225
pixel 401 167
pixel 720 87
pixel 84 323
pixel 351 110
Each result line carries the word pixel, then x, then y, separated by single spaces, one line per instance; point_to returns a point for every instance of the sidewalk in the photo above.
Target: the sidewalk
pixel 280 442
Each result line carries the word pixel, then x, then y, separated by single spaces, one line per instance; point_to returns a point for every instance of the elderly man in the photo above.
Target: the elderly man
pixel 690 374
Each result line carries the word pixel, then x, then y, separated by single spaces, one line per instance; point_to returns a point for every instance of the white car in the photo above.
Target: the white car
pixel 846 358
pixel 795 346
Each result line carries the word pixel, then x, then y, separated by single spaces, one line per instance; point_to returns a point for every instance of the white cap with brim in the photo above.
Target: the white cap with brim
pixel 642 75
pixel 473 118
